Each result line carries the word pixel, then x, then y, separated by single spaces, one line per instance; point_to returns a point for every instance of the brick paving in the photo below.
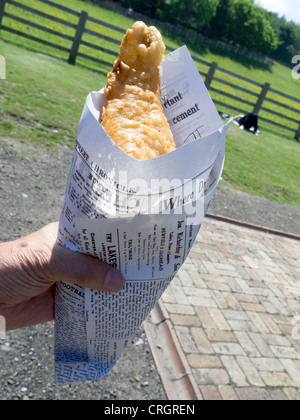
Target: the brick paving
pixel 235 309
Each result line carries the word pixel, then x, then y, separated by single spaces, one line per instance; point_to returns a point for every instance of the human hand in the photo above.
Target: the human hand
pixel 29 269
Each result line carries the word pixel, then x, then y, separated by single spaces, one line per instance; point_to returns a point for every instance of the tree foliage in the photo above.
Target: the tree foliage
pixel 250 28
pixel 197 12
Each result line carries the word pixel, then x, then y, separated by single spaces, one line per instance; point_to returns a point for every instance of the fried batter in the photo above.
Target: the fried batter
pixel 133 115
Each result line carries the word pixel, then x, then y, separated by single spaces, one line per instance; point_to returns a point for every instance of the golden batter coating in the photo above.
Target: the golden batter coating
pixel 133 115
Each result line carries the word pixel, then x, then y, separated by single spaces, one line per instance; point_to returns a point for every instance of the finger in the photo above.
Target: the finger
pixel 84 271
pixel 34 311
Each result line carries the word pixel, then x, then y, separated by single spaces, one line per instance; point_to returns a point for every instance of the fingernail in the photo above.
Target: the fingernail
pixel 114 281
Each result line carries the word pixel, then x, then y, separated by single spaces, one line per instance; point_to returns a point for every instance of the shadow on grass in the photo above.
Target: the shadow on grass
pixel 53 56
pixel 274 131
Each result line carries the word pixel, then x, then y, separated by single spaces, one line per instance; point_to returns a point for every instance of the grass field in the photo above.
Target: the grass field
pixel 277 75
pixel 42 99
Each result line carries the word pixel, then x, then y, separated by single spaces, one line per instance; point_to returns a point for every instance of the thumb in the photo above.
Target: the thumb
pixel 83 270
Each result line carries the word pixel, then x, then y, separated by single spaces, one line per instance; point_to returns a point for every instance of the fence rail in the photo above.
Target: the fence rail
pixel 236 92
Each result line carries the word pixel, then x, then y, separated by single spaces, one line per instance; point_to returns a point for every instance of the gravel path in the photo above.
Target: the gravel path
pixel 256 210
pixel 29 201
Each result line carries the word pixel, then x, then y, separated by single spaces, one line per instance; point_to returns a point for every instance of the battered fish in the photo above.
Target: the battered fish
pixel 133 115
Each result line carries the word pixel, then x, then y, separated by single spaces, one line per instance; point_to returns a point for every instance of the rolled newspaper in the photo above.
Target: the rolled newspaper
pixel 140 216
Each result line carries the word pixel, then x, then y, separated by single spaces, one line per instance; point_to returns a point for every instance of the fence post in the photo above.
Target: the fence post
pixel 78 36
pixel 2 6
pixel 261 98
pixel 297 135
pixel 210 74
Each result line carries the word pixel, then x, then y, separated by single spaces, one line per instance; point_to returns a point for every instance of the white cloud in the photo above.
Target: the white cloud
pixel 279 6
pixel 288 8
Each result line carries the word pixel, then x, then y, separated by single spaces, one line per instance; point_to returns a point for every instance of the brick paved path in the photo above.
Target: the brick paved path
pixel 234 307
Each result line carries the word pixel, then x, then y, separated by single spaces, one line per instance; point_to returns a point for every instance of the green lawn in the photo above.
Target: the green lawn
pixel 267 165
pixel 42 99
pixel 277 75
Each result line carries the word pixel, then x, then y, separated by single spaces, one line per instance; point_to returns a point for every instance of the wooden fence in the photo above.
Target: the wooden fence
pixel 229 90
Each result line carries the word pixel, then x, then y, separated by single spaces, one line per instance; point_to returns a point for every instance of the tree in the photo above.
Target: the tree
pixel 196 14
pixel 250 28
pixel 288 34
pixel 152 8
pixel 219 26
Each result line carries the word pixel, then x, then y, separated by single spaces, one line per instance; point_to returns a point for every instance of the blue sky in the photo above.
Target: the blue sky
pixel 288 8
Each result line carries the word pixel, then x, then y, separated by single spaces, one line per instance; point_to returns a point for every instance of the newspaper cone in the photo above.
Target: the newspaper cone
pixel 141 217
